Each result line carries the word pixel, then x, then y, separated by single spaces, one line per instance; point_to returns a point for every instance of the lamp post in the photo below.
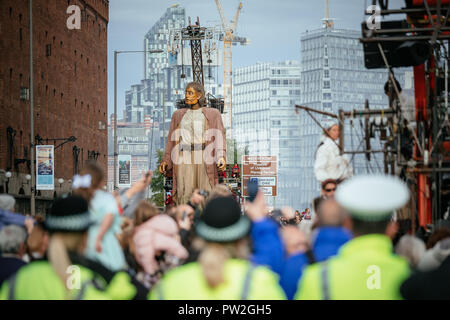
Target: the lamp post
pixel 116 53
pixel 33 176
pixel 7 175
pixel 28 178
pixel 60 181
pixel 151 139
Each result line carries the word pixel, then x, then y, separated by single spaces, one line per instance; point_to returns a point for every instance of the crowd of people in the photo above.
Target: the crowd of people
pixel 96 245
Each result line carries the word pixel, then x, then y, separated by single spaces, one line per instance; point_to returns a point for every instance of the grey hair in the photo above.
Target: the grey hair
pixel 11 237
pixel 411 248
pixel 7 202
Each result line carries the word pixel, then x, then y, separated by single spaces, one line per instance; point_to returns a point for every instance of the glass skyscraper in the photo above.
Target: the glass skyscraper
pixel 265 122
pixel 157 38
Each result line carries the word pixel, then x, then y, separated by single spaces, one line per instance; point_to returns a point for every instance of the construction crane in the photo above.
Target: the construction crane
pixel 228 62
pixel 327 21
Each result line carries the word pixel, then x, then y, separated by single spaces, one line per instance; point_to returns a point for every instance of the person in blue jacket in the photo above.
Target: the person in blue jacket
pixel 326 240
pixel 8 216
pixel 267 245
pixel 332 232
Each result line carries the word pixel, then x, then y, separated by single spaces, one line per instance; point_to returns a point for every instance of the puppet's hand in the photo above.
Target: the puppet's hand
pixel 221 164
pixel 163 167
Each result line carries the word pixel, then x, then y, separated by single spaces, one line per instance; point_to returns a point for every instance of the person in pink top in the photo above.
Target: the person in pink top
pixel 157 248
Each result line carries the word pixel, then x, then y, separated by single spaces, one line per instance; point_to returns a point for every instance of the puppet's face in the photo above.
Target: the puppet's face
pixel 192 96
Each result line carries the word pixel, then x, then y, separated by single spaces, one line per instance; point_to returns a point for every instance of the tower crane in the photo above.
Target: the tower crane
pixel 228 41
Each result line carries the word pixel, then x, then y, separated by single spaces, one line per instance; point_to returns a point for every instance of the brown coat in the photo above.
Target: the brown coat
pixel 213 121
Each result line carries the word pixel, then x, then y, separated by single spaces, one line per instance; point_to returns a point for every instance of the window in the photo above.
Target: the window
pixel 326 84
pixel 274 92
pixel 24 93
pixel 48 50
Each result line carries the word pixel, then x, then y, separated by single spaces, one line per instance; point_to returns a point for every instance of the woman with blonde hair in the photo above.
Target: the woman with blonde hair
pixel 66 273
pixel 222 270
pixel 103 245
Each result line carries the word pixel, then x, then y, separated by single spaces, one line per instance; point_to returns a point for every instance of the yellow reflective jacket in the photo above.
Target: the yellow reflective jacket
pixel 39 281
pixel 364 269
pixel 241 281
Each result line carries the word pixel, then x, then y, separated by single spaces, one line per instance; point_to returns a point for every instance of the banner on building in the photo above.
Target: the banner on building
pixel 124 171
pixel 45 168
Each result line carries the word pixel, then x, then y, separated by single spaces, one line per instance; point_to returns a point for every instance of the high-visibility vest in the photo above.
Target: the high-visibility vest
pixel 242 280
pixel 39 281
pixel 365 268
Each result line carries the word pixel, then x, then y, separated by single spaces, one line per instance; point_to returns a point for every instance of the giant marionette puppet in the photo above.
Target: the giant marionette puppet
pixel 196 146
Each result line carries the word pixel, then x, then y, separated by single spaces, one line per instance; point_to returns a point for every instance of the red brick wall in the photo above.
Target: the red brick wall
pixel 70 85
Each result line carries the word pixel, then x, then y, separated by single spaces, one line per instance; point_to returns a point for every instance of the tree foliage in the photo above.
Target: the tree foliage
pixel 157 184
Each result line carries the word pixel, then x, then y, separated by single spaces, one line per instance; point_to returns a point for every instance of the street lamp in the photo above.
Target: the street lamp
pixel 7 175
pixel 33 177
pixel 151 139
pixel 60 181
pixel 116 53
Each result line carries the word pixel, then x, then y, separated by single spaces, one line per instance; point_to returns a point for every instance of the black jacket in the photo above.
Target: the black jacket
pixel 431 285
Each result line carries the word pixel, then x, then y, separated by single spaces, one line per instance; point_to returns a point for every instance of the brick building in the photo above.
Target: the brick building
pixel 70 89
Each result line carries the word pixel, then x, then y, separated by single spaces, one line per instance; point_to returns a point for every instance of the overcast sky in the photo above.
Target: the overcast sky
pixel 273 27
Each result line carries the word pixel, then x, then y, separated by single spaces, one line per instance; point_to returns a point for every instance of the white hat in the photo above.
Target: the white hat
pixel 372 197
pixel 329 123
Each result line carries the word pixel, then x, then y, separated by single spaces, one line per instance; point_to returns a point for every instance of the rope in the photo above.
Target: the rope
pixel 391 76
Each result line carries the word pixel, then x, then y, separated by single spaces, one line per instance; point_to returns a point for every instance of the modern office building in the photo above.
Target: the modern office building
pixel 265 122
pixel 333 77
pixel 157 38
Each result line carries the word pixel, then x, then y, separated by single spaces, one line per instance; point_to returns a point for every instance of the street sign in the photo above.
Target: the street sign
pixel 266 181
pixel 263 168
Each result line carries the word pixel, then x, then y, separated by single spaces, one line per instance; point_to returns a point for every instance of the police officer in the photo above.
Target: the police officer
pixel 365 267
pixel 64 273
pixel 222 270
